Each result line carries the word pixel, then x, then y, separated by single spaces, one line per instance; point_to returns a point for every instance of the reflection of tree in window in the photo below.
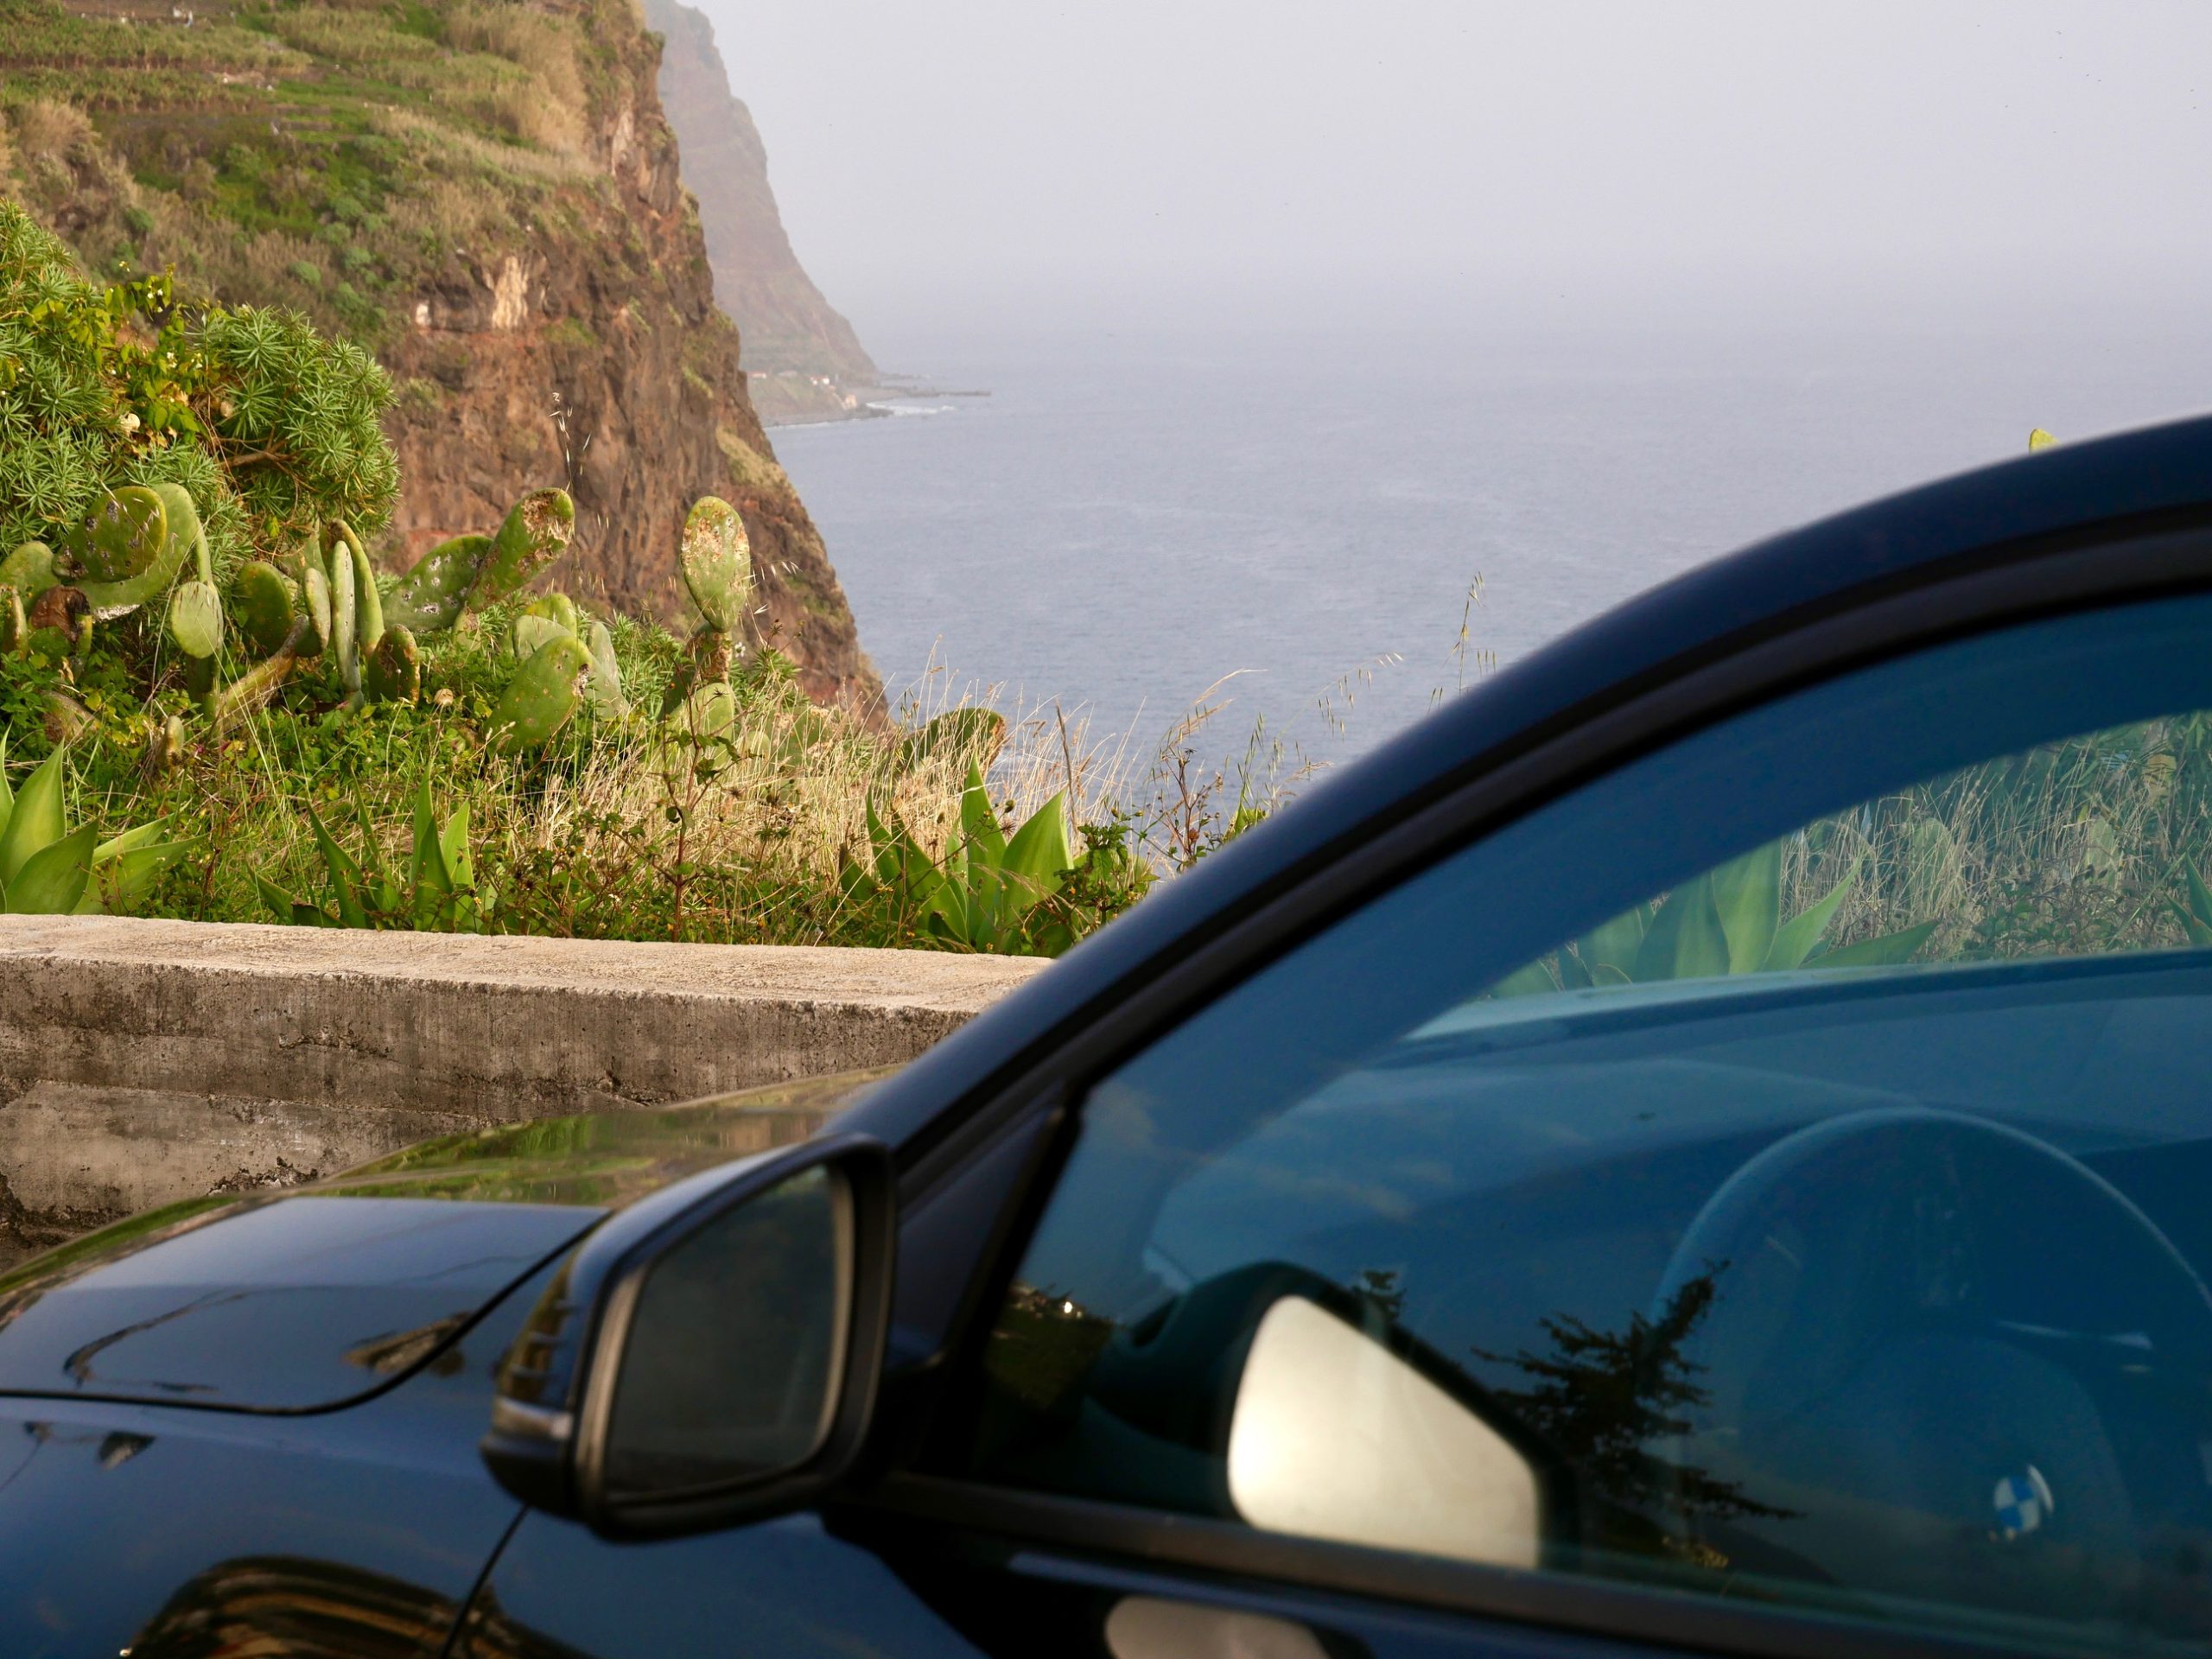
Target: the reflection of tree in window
pixel 1600 1399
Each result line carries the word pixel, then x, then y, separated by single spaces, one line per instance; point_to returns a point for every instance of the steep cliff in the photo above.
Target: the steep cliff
pixel 786 323
pixel 485 194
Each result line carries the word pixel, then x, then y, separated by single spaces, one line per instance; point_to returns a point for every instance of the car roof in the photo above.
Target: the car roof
pixel 2018 507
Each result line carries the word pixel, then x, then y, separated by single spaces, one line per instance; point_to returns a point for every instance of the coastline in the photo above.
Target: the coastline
pixel 788 397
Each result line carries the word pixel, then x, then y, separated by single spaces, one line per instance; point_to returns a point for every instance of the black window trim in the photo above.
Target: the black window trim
pixel 1265 1562
pixel 1979 593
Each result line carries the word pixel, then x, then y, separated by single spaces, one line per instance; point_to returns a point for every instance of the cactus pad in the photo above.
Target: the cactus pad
pixel 393 670
pixel 536 533
pixel 57 621
pixel 12 626
pixel 534 633
pixel 717 560
pixel 542 695
pixel 368 604
pixel 558 608
pixel 430 598
pixel 263 605
pixel 120 538
pixel 29 569
pixel 955 737
pixel 604 689
pixel 196 619
pixel 314 590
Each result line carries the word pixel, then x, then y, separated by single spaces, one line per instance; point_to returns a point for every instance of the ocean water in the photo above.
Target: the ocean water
pixel 1124 520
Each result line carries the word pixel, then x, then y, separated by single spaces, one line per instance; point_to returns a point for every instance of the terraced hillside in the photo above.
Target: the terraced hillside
pixel 485 194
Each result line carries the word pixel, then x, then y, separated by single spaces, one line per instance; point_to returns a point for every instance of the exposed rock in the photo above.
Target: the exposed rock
pixel 786 323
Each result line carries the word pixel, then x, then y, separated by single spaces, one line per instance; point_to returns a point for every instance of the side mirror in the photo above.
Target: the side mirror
pixel 709 1355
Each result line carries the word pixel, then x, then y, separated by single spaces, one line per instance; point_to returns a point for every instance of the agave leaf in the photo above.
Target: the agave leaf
pixel 121 880
pixel 287 909
pixel 978 822
pixel 345 876
pixel 1037 858
pixel 1890 950
pixel 1685 940
pixel 36 821
pixel 1573 972
pixel 52 879
pixel 1795 939
pixel 1533 980
pixel 131 841
pixel 2198 931
pixel 453 842
pixel 430 879
pixel 1747 896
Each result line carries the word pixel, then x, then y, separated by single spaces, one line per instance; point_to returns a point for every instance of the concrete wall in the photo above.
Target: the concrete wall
pixel 146 1061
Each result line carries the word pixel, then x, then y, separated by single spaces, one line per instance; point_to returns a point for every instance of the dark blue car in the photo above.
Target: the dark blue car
pixel 1704 1145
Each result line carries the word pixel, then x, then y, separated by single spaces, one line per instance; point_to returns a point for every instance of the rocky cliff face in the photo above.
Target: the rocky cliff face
pixel 786 323
pixel 486 194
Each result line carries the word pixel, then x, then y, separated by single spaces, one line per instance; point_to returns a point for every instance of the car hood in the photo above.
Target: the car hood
pixel 314 1297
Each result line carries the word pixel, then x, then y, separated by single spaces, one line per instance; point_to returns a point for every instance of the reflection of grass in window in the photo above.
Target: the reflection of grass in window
pixel 2074 848
pixel 2091 845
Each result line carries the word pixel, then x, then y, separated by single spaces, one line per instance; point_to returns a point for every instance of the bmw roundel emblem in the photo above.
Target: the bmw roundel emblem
pixel 2024 1501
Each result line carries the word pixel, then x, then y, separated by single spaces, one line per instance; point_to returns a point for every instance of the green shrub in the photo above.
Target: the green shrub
pixel 264 423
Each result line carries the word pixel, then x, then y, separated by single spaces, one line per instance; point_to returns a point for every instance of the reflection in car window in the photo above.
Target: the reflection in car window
pixel 1825 1228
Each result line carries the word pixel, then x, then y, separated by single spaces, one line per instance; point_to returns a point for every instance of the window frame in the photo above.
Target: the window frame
pixel 1990 589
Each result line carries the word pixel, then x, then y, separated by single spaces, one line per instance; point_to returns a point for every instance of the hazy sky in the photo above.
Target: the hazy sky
pixel 995 161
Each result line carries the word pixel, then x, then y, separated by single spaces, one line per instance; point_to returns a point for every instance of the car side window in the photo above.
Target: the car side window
pixel 1774 1170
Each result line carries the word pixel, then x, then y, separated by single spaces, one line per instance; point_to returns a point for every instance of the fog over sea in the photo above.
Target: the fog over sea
pixel 1126 518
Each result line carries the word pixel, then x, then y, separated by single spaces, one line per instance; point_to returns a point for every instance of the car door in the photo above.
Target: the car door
pixel 1734 1187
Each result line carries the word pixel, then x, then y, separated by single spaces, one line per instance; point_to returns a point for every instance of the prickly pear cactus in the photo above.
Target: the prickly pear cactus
pixel 431 597
pixel 368 605
pixel 345 620
pixel 57 623
pixel 393 669
pixel 119 539
pixel 604 689
pixel 541 696
pixel 533 633
pixel 196 619
pixel 12 626
pixel 558 608
pixel 957 735
pixel 314 589
pixel 184 538
pixel 28 569
pixel 717 560
pixel 264 606
pixel 536 533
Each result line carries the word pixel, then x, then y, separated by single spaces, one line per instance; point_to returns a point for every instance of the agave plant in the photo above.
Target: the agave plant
pixel 48 869
pixel 440 892
pixel 1727 921
pixel 982 895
